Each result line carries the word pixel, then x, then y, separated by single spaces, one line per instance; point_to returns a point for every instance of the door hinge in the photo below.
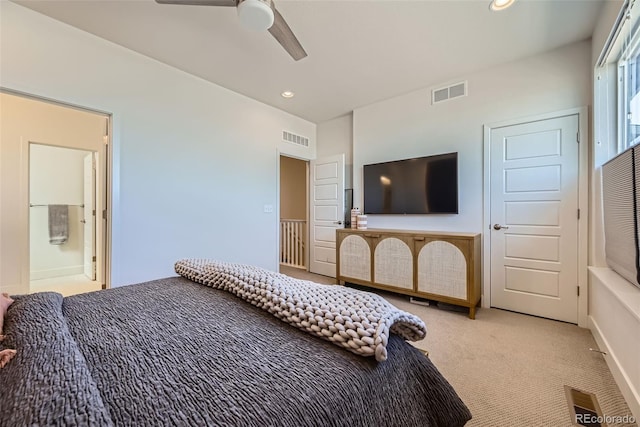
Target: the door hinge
pixel 93 259
pixel 578 213
pixel 104 214
pixel 578 137
pixel 578 289
pixel 106 127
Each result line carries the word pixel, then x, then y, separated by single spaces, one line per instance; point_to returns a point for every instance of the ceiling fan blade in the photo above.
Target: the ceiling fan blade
pixel 281 31
pixel 200 2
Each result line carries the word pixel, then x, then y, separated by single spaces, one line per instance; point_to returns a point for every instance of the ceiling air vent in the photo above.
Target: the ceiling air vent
pixel 295 139
pixel 454 91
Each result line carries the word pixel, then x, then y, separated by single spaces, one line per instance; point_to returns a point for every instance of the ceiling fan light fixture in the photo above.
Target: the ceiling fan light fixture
pixel 255 15
pixel 497 5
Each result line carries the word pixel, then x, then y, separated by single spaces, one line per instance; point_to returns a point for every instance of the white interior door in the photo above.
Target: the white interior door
pixel 326 212
pixel 534 218
pixel 89 218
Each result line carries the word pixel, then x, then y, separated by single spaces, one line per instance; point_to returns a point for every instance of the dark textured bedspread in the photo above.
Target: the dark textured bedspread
pixel 172 352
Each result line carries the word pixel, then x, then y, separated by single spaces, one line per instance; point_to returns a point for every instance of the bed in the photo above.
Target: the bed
pixel 177 352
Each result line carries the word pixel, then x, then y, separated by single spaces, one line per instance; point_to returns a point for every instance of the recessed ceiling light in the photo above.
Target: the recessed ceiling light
pixel 500 4
pixel 287 94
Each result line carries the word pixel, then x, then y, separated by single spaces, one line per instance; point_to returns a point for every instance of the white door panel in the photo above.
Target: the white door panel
pixel 327 207
pixel 533 213
pixel 536 248
pixel 326 170
pixel 326 213
pixel 534 197
pixel 325 255
pixel 532 145
pixel 532 179
pixel 328 192
pixel 532 281
pixel 325 234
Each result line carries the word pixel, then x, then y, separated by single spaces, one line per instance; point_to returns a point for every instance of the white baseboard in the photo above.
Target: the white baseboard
pixel 57 272
pixel 631 395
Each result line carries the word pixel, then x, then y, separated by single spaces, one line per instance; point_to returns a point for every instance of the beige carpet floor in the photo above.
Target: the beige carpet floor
pixel 66 285
pixel 509 368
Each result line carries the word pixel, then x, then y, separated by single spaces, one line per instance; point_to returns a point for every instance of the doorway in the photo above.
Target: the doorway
pixel 536 186
pixel 311 209
pixel 294 200
pixel 62 220
pixel 54 196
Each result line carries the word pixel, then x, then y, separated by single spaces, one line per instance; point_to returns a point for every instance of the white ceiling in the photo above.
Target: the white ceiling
pixel 360 52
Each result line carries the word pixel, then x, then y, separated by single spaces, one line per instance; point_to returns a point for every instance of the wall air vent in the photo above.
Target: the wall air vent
pixel 295 139
pixel 445 93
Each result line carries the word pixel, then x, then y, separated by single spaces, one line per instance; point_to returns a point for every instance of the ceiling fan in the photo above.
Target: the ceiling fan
pixel 257 15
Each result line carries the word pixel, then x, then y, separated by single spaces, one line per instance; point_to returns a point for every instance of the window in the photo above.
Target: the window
pixel 617 86
pixel 629 94
pixel 617 144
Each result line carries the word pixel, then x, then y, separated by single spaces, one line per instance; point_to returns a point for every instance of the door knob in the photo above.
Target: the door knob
pixel 337 222
pixel 499 227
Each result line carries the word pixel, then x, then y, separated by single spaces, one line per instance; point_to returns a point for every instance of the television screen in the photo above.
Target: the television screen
pixel 425 185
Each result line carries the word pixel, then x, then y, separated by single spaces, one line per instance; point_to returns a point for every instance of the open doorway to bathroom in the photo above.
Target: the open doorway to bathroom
pixel 62 220
pixel 54 196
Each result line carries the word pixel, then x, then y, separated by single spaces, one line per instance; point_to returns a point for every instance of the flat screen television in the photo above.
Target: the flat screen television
pixel 424 185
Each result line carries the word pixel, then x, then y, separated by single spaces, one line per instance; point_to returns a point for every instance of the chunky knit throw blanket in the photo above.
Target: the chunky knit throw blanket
pixel 356 320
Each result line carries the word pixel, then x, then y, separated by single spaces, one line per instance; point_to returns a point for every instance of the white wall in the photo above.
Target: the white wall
pixel 409 126
pixel 56 177
pixel 194 163
pixel 615 324
pixel 336 137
